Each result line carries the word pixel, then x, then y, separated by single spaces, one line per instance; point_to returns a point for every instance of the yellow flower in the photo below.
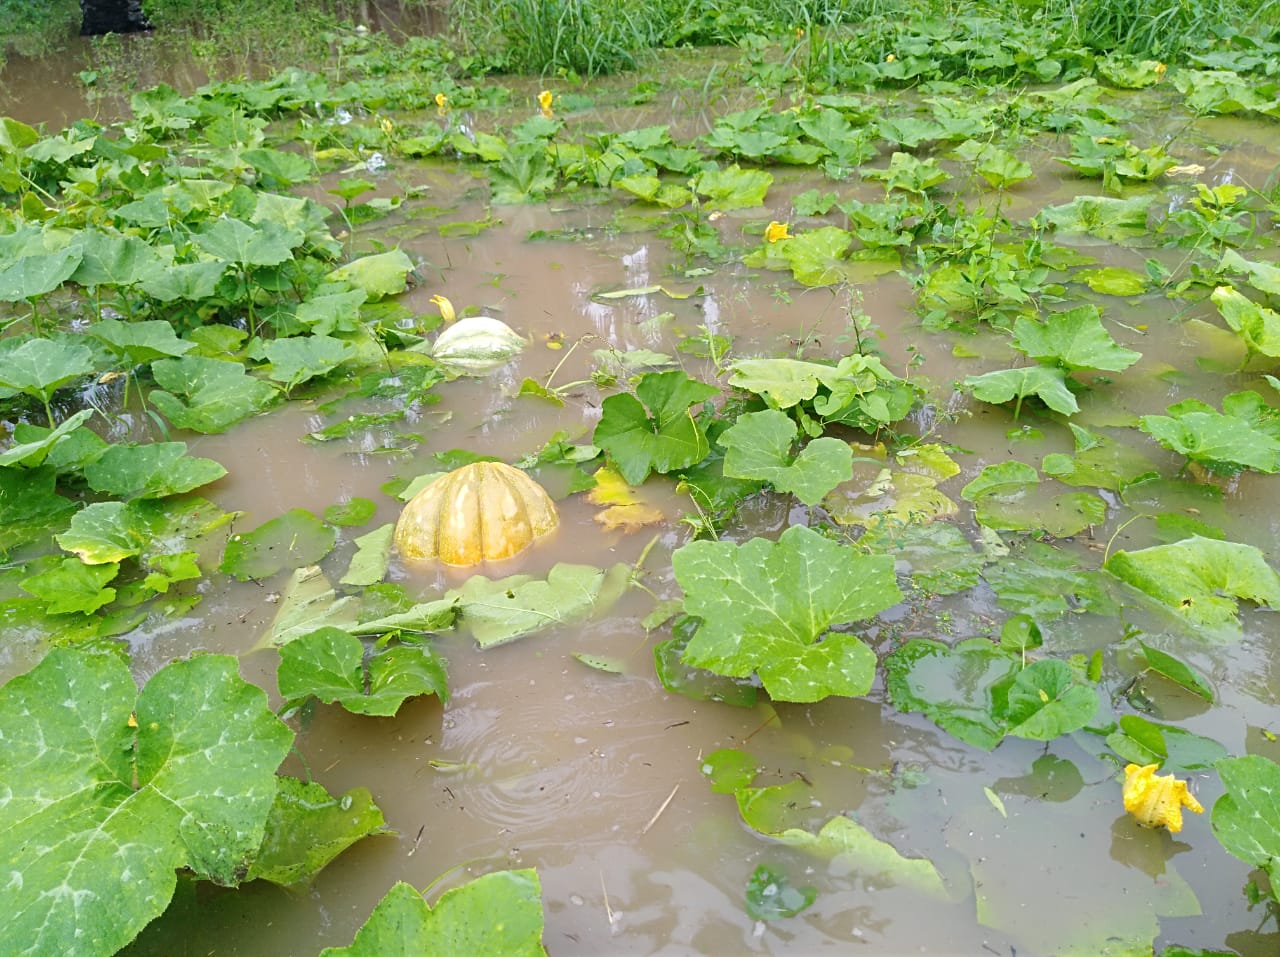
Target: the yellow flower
pixel 445 307
pixel 1161 69
pixel 1157 800
pixel 388 127
pixel 544 103
pixel 890 58
pixel 442 104
pixel 775 231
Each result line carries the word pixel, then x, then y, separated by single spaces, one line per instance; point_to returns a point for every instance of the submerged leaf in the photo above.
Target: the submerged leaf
pixel 858 850
pixel 1200 579
pixel 308 828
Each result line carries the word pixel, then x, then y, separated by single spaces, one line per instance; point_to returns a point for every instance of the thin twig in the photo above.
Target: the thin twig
pixel 607 909
pixel 658 813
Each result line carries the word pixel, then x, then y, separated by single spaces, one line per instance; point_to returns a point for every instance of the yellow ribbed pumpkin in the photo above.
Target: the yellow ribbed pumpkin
pixel 480 512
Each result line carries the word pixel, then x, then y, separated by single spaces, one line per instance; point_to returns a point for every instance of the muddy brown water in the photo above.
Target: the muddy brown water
pixel 539 761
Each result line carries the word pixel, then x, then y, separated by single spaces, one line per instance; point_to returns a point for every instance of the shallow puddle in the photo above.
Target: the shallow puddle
pixel 593 778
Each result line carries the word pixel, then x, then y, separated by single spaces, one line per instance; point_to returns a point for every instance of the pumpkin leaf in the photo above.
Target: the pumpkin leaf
pixel 1257 326
pixel 1004 498
pixel 765 605
pixel 954 687
pixel 1102 216
pixel 733 188
pixel 383 274
pixel 654 430
pixel 26 275
pixel 307 828
pixel 32 452
pixel 207 395
pixel 1047 700
pixel 857 850
pixel 373 555
pixel 697 683
pixel 138 343
pixel 939 556
pixel 499 611
pixel 1200 579
pixel 499 914
pixel 298 359
pixel 249 244
pixel 40 367
pixel 329 664
pixel 759 447
pixel 1074 339
pixel 1045 582
pixel 1177 671
pixel 104 532
pixel 1045 383
pixel 91 794
pixel 73 586
pixel 150 471
pixel 291 540
pixel 1246 434
pixel 1176 750
pixel 1246 820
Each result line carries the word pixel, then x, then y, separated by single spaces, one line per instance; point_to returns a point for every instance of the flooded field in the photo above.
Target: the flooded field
pixel 599 778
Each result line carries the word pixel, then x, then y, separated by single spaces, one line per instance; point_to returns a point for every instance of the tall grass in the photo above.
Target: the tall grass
pixel 1156 29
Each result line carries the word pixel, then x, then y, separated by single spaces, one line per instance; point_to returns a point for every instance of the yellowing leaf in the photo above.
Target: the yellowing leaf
pixel 625 511
pixel 1157 800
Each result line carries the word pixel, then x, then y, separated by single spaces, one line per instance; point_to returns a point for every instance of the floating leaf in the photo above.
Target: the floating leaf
pixel 1199 579
pixel 939 558
pixel 1047 384
pixel 150 471
pixel 1101 216
pixel 355 511
pixel 291 540
pixel 1047 700
pixel 91 793
pixel 624 506
pixel 765 605
pixel 859 851
pixel 1004 497
pixel 654 430
pixel 308 828
pixel 697 683
pixel 1246 820
pixel 73 586
pixel 1172 748
pixel 508 608
pixel 759 447
pixel 498 914
pixel 733 188
pixel 373 555
pixel 1246 434
pixel 1074 339
pixel 1044 582
pixel 328 664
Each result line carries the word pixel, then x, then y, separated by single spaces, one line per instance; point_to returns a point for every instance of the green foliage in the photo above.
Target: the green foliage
pixel 1246 820
pixel 655 429
pixel 767 607
pixel 102 781
pixel 1244 435
pixel 499 914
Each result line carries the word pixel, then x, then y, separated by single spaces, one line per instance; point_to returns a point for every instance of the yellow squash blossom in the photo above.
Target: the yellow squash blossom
pixel 775 231
pixel 544 103
pixel 445 307
pixel 1157 800
pixel 442 104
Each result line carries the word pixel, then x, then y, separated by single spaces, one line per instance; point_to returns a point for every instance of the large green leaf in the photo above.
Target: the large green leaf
pixel 249 244
pixel 759 447
pixel 1246 434
pixel 654 430
pixel 819 257
pixel 767 607
pixel 1045 582
pixel 308 828
pixel 73 586
pixel 1101 216
pixel 32 444
pixel 150 471
pixel 299 358
pixel 140 342
pixel 1200 579
pixel 207 395
pixel 733 188
pixel 39 367
pixel 329 664
pixel 1246 820
pixel 1074 339
pixel 111 259
pixel 497 915
pixel 1257 326
pixel 35 273
pixel 99 810
pixel 1046 700
pixel 383 274
pixel 508 608
pixel 1006 496
pixel 1045 383
pixel 291 540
